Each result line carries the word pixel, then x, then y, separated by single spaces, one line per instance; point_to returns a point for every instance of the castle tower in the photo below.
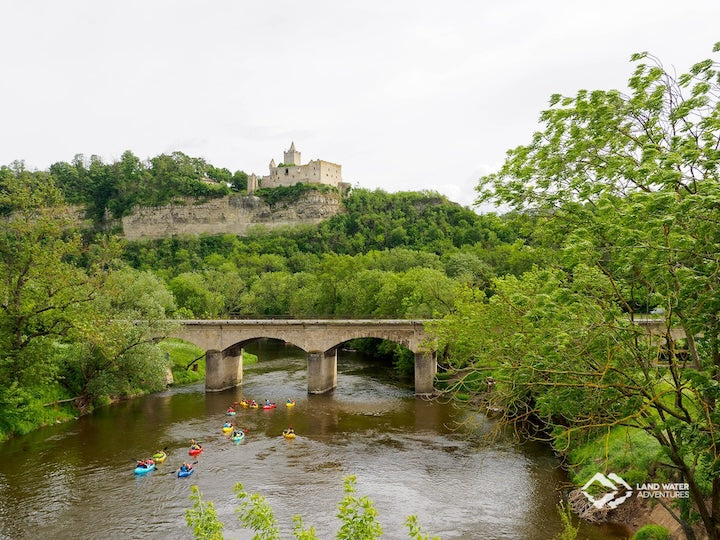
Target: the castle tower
pixel 252 184
pixel 292 156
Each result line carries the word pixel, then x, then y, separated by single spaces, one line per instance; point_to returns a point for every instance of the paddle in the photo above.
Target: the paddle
pixel 139 460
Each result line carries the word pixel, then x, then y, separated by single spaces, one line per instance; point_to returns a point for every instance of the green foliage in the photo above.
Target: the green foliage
pixel 181 354
pixel 631 451
pixel 651 532
pixel 624 189
pixel 338 269
pixel 290 194
pixel 255 513
pixel 43 294
pixel 115 188
pixel 415 531
pixel 192 293
pixel 569 531
pixel 75 324
pixel 220 175
pixel 202 518
pixel 115 352
pixel 300 532
pixel 239 181
pixel 357 515
pixel 401 358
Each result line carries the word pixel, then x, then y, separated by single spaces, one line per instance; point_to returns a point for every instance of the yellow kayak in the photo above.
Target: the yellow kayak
pixel 227 429
pixel 290 403
pixel 288 434
pixel 159 457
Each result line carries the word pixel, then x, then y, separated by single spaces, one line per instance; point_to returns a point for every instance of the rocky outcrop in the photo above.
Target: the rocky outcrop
pixel 234 214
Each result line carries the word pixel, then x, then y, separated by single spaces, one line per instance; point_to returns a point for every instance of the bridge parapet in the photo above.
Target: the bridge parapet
pixel 659 327
pixel 319 338
pixel 311 335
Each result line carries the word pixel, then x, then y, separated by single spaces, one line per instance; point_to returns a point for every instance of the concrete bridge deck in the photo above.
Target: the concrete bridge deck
pixel 223 341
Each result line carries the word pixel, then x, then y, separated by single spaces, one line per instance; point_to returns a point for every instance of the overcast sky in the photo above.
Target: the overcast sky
pixel 404 94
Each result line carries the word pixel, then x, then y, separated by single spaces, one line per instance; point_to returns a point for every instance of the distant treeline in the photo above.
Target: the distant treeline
pixel 389 255
pixel 66 291
pixel 113 189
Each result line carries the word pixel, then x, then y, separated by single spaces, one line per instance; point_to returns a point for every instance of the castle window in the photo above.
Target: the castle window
pixel 286 171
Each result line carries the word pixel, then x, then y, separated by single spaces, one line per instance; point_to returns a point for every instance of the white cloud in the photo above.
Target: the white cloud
pixel 405 95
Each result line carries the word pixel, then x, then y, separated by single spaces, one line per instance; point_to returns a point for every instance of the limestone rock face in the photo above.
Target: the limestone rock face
pixel 234 214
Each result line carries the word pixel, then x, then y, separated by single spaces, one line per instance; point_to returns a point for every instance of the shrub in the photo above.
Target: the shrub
pixel 652 532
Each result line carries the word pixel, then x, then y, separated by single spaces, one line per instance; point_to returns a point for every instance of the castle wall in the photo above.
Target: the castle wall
pixel 285 176
pixel 234 214
pixel 315 172
pixel 329 173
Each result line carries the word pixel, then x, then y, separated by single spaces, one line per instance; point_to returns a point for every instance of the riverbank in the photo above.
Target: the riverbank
pixel 633 515
pixel 400 447
pixel 629 453
pixel 186 365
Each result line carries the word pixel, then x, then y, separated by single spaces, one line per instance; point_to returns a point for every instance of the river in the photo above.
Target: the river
pixel 410 456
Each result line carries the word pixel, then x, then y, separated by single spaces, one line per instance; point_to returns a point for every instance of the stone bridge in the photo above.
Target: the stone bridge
pixel 223 341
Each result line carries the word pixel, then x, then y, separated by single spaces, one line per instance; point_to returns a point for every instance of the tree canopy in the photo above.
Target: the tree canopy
pixel 69 311
pixel 626 187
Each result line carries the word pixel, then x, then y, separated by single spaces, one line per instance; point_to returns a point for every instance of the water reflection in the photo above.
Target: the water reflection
pixel 76 481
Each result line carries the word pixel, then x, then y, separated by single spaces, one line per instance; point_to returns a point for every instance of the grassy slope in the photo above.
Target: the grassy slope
pixel 182 353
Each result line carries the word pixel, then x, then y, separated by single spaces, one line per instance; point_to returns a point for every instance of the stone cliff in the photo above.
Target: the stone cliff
pixel 234 214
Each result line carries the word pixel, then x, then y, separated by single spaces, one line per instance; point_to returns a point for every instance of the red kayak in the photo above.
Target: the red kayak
pixel 194 451
pixel 271 406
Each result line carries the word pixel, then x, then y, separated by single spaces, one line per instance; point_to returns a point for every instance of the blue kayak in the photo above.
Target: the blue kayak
pixel 239 437
pixel 185 472
pixel 144 470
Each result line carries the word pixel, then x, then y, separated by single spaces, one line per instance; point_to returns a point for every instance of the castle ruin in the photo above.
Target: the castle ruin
pixel 291 171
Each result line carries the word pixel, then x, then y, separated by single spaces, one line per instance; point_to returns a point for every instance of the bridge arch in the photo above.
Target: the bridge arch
pixel 223 342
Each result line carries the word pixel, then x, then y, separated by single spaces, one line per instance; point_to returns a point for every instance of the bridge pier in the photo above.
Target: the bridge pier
pixel 425 371
pixel 223 371
pixel 321 371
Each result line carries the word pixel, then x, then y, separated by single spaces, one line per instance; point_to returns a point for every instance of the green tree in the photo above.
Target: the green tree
pixel 192 292
pixel 42 292
pixel 270 295
pixel 203 519
pixel 359 294
pixel 358 515
pixel 220 174
pixel 358 518
pixel 628 184
pixel 113 350
pixel 239 181
pixel 256 514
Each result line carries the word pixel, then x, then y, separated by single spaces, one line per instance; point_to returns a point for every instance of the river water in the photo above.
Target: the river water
pixel 410 456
